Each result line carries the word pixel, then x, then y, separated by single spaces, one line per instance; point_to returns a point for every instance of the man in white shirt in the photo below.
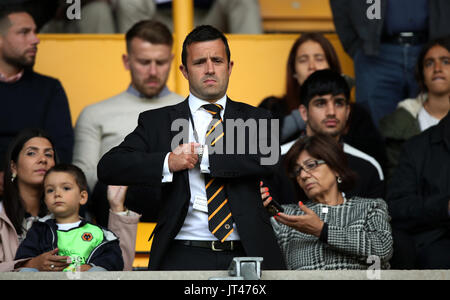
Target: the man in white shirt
pixel 211 209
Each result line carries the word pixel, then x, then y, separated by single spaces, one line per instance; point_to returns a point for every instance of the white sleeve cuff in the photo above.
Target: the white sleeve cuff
pixel 167 176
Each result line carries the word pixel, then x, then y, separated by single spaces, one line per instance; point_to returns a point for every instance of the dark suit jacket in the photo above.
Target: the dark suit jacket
pixel 419 191
pixel 139 159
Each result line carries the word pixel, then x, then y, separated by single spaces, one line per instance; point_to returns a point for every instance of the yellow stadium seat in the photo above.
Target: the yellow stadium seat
pixel 296 16
pixel 90 66
pixel 143 245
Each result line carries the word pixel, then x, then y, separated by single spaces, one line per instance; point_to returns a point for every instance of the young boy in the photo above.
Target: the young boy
pixel 62 241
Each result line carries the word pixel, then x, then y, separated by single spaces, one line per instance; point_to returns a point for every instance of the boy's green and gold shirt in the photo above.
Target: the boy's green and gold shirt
pixel 85 243
pixel 78 243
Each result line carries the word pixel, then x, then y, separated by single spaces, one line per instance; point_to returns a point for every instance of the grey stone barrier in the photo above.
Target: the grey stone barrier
pixel 266 275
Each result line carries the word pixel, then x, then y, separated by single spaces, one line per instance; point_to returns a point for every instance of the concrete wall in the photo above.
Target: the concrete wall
pixel 205 275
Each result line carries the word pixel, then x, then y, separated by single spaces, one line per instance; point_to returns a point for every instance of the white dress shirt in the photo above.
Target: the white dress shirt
pixel 195 225
pixel 426 120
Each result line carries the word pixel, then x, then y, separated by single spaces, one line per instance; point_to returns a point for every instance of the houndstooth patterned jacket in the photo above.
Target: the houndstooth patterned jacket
pixel 357 229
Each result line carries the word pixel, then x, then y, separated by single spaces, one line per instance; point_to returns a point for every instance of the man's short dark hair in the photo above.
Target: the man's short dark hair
pixel 150 31
pixel 8 9
pixel 203 33
pixel 324 82
pixel 73 170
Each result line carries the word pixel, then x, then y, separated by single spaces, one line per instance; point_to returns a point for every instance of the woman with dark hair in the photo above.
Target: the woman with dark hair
pixel 310 52
pixel 328 231
pixel 415 115
pixel 29 157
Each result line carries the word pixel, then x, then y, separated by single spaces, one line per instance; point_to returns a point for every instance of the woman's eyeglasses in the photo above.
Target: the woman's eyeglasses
pixel 308 166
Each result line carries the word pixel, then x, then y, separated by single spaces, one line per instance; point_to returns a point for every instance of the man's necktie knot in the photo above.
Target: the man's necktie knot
pixel 213 109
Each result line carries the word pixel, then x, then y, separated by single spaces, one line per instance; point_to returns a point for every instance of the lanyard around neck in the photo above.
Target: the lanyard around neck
pixel 191 119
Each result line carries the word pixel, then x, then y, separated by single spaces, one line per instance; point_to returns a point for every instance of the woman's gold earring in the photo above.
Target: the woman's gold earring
pixel 339 179
pixel 13 176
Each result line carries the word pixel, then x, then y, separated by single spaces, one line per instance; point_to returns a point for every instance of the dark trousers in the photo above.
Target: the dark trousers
pixel 410 255
pixel 181 257
pixel 384 80
pixel 404 257
pixel 435 256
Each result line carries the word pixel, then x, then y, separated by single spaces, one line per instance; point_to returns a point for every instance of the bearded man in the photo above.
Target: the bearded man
pixel 28 99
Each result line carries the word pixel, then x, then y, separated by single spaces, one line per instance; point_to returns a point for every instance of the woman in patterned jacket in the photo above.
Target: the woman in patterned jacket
pixel 328 231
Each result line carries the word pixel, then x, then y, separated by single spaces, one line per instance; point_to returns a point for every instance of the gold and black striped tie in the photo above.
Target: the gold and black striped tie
pixel 220 221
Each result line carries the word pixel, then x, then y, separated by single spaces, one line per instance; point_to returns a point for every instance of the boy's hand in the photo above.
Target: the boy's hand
pixel 49 262
pixel 84 268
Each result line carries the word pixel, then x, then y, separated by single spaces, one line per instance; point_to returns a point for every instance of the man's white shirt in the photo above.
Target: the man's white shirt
pixel 195 225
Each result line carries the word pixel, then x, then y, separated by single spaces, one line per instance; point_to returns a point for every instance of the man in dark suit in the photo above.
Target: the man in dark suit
pixel 419 200
pixel 211 208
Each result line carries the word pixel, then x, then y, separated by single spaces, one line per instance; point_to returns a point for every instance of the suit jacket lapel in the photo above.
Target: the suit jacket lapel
pixel 232 111
pixel 180 111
